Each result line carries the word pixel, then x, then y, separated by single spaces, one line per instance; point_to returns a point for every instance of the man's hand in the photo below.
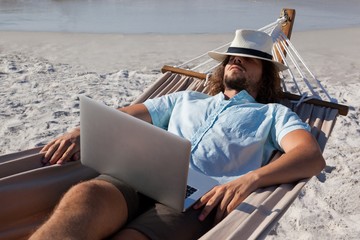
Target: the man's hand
pixel 226 197
pixel 62 149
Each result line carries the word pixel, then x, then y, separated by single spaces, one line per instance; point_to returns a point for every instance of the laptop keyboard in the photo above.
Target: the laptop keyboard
pixel 189 191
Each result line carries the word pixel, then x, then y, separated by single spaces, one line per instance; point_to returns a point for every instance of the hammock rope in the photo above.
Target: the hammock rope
pixel 297 66
pixel 292 47
pixel 290 72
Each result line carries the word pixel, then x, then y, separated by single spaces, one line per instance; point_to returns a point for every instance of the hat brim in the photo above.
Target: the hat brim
pixel 222 56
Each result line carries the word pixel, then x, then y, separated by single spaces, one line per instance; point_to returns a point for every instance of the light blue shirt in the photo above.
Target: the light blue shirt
pixel 228 137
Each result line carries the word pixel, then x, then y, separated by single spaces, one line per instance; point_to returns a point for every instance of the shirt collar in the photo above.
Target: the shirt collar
pixel 243 97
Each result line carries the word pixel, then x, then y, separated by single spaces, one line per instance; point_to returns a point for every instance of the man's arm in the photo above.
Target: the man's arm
pixel 138 111
pixel 67 147
pixel 302 159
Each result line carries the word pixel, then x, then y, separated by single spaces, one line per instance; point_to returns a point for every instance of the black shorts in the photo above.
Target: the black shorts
pixel 158 221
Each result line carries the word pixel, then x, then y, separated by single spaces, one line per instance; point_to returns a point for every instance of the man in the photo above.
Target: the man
pixel 233 136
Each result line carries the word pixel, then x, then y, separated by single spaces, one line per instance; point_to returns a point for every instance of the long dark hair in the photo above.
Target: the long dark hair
pixel 269 91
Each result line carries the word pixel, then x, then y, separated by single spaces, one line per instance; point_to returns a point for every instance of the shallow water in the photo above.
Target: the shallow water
pixel 174 16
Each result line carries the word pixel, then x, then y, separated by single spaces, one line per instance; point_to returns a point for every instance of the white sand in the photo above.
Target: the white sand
pixel 42 75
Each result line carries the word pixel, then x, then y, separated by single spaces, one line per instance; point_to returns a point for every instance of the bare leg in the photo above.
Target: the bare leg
pixel 89 210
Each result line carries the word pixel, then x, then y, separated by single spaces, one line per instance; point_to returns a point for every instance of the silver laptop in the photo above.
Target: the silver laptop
pixel 151 160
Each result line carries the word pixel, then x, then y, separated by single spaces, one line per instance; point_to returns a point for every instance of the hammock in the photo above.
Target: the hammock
pixel 29 191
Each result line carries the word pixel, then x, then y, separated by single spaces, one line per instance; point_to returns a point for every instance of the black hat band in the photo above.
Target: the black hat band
pixel 248 51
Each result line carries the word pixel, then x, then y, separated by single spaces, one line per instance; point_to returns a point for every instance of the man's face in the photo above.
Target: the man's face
pixel 243 73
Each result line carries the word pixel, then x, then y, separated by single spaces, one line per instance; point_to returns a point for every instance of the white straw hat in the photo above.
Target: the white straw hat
pixel 249 43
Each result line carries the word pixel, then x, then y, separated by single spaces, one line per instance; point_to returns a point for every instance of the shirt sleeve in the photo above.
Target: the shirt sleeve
pixel 285 122
pixel 160 109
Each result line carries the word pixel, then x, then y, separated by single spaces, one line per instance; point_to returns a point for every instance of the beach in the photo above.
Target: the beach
pixel 42 75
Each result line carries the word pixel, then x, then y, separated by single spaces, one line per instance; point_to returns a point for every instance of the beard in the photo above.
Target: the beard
pixel 237 83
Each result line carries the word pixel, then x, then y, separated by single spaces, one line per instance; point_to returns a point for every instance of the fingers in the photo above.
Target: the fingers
pixel 225 202
pixel 67 155
pixel 60 151
pixel 231 200
pixel 225 198
pixel 47 146
pixel 209 201
pixel 63 148
pixel 49 150
pixel 223 208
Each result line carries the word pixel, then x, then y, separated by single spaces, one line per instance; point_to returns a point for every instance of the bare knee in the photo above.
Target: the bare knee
pixel 96 194
pixel 101 200
pixel 91 193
